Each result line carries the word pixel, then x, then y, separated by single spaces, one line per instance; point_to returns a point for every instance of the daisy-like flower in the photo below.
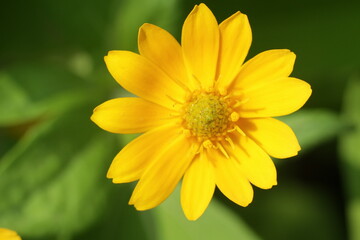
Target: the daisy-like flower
pixel 6 234
pixel 206 116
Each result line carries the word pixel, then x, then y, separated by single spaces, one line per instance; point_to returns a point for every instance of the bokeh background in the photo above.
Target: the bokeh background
pixel 53 159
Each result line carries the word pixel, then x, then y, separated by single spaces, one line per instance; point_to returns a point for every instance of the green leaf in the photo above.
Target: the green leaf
pixel 217 222
pixel 45 28
pixel 295 209
pixel 129 17
pixel 350 156
pixel 313 127
pixel 36 90
pixel 119 220
pixel 52 183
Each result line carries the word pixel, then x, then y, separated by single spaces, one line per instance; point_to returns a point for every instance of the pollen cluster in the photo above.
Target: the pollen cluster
pixel 207 115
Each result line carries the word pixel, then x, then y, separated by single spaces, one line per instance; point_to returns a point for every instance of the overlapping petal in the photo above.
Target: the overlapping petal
pixel 255 164
pixel 129 115
pixel 274 136
pixel 161 177
pixel 200 44
pixel 231 179
pixel 130 163
pixel 197 187
pixel 265 68
pixel 140 76
pixel 276 98
pixel 235 41
pixel 161 48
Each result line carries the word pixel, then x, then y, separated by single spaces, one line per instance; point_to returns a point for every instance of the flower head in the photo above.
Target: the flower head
pixel 206 116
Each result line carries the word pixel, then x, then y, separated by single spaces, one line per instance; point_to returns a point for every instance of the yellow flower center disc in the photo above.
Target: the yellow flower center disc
pixel 207 115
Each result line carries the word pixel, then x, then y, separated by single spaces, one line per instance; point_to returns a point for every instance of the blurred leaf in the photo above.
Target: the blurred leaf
pixel 33 90
pixel 218 222
pixel 313 127
pixel 43 28
pixel 118 219
pixel 52 181
pixel 131 14
pixel 294 210
pixel 6 141
pixel 350 156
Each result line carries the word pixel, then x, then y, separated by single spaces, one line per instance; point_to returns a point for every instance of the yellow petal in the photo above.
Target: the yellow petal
pixel 264 68
pixel 162 176
pixel 235 41
pixel 200 42
pixel 197 187
pixel 231 180
pixel 143 78
pixel 129 115
pixel 135 157
pixel 274 136
pixel 6 234
pixel 161 48
pixel 256 165
pixel 276 98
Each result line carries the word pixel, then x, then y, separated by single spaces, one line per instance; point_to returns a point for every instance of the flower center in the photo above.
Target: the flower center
pixel 207 115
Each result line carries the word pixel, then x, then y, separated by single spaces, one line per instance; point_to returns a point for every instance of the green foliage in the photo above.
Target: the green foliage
pixel 36 90
pixel 313 127
pixel 216 223
pixel 117 219
pixel 53 179
pixel 350 155
pixel 125 25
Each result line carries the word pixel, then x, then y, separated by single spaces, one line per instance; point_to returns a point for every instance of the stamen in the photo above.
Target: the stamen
pixel 223 91
pixel 174 100
pixel 240 131
pixel 240 102
pixel 209 90
pixel 201 148
pixel 230 141
pixel 234 116
pixel 197 80
pixel 208 144
pixel 222 149
pixel 181 84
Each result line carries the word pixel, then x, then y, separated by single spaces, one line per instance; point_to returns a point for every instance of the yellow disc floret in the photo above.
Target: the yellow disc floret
pixel 207 115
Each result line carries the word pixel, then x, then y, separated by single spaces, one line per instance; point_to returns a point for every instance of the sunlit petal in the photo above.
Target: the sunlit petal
pixel 7 234
pixel 235 41
pixel 265 68
pixel 231 180
pixel 140 76
pixel 256 165
pixel 276 98
pixel 274 136
pixel 200 42
pixel 161 48
pixel 197 187
pixel 131 161
pixel 129 115
pixel 163 174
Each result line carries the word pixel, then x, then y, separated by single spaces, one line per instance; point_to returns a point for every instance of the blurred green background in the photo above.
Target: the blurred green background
pixel 53 159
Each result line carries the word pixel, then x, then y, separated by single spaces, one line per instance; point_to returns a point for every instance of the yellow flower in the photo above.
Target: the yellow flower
pixel 206 116
pixel 6 234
